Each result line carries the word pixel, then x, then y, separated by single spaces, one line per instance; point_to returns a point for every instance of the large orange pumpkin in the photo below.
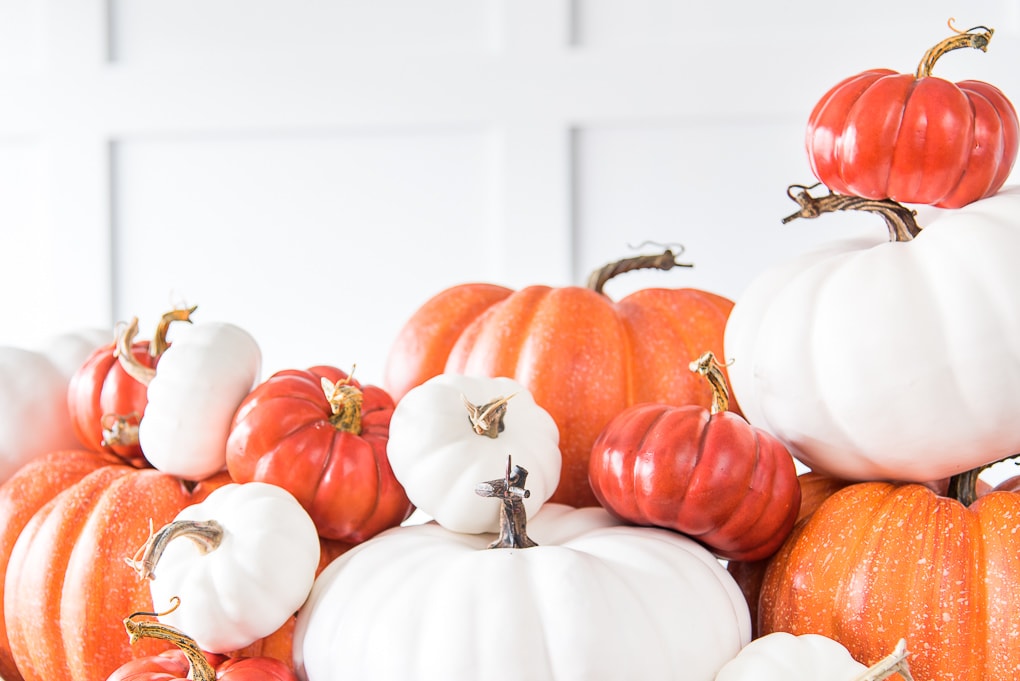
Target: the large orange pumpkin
pixel 68 520
pixel 583 356
pixel 877 562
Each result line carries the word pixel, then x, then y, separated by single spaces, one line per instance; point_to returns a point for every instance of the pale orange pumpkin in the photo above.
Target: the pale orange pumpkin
pixel 583 356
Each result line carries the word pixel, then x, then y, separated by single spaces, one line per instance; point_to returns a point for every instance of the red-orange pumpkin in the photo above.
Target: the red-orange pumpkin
pixel 877 562
pixel 68 520
pixel 583 356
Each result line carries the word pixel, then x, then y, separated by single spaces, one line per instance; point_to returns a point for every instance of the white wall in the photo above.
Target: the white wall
pixel 315 170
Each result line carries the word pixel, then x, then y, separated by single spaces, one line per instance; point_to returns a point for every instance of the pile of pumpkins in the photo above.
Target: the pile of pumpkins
pixel 611 486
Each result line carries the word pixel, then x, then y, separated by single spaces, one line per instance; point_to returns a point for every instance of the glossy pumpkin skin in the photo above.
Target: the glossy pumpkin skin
pixel 102 389
pixel 173 665
pixel 583 356
pixel 283 433
pixel 710 476
pixel 877 562
pixel 882 134
pixel 78 515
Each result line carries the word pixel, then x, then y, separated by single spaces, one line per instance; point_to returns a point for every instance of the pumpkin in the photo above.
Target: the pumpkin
pixel 704 472
pixel 229 575
pixel 322 436
pixel 106 403
pixel 192 395
pixel 33 391
pixel 583 356
pixel 187 661
pixel 878 562
pixel 592 600
pixel 451 430
pixel 781 656
pixel 915 138
pixel 68 521
pixel 865 357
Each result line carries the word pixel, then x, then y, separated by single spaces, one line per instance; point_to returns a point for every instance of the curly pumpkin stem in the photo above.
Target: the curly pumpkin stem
pixel 709 367
pixel 666 260
pixel 159 342
pixel 893 663
pixel 487 419
pixel 345 401
pixel 126 335
pixel 898 218
pixel 207 535
pixel 201 670
pixel 513 520
pixel 959 39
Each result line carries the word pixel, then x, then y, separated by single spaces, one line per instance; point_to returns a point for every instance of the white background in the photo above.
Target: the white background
pixel 314 170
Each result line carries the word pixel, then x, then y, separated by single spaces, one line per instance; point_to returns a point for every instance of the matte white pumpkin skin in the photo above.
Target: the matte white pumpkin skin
pixel 439 459
pixel 34 381
pixel 594 601
pixel 871 359
pixel 782 656
pixel 251 584
pixel 201 379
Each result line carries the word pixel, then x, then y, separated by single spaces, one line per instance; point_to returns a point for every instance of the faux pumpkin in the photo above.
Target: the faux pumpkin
pixel 187 661
pixel 781 656
pixel 68 521
pixel 322 436
pixel 242 561
pixel 33 391
pixel 592 600
pixel 191 397
pixel 583 356
pixel 878 562
pixel 915 138
pixel 704 472
pixel 866 357
pixel 452 430
pixel 106 403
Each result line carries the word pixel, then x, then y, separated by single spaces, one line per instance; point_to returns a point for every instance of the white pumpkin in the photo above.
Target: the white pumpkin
pixel 882 359
pixel 438 455
pixel 594 600
pixel 34 418
pixel 201 379
pixel 241 562
pixel 781 656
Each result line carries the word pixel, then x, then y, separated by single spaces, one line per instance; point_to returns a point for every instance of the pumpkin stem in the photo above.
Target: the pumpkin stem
pixel 513 521
pixel 893 663
pixel 709 367
pixel 963 486
pixel 207 534
pixel 159 343
pixel 487 419
pixel 959 39
pixel 119 429
pixel 345 401
pixel 201 670
pixel 666 260
pixel 898 218
pixel 125 336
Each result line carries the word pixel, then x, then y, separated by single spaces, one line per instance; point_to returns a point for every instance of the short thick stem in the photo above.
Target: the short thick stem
pixel 207 534
pixel 899 219
pixel 159 342
pixel 487 419
pixel 663 261
pixel 345 402
pixel 513 519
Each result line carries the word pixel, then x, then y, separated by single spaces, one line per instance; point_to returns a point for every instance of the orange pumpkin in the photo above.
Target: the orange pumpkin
pixel 877 562
pixel 68 520
pixel 583 356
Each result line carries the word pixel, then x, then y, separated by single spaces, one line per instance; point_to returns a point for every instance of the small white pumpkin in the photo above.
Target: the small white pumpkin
pixel 781 655
pixel 201 379
pixel 249 565
pixel 593 601
pixel 454 430
pixel 34 418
